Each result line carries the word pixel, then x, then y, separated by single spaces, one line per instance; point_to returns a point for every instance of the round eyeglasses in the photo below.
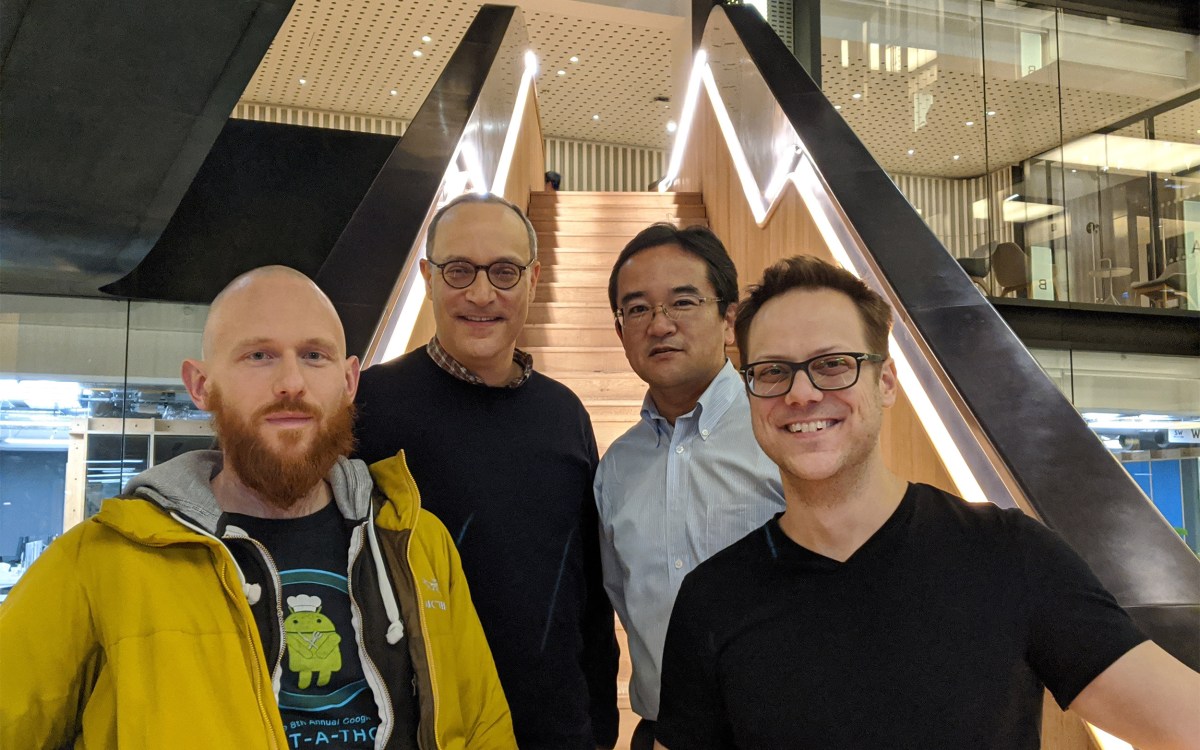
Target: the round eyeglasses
pixel 460 274
pixel 639 314
pixel 828 372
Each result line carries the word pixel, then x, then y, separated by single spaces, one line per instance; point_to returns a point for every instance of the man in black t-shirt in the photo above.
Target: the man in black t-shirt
pixel 877 613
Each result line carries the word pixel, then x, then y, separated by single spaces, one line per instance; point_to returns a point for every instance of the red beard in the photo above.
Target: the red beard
pixel 282 479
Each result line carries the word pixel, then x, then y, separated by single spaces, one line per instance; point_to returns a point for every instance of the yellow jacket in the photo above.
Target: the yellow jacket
pixel 133 629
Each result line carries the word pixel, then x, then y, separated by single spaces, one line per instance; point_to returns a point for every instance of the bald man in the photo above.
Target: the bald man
pixel 272 594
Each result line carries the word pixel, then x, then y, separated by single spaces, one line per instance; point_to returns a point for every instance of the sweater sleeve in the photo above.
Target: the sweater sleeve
pixel 49 650
pixel 601 654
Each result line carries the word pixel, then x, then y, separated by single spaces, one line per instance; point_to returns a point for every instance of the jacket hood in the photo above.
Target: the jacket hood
pixel 184 485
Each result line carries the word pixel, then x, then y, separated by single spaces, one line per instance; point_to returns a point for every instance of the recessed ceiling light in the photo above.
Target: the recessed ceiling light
pixel 595 117
pixel 574 58
pixel 912 151
pixel 991 113
pixel 956 157
pixel 838 107
pixel 562 72
pixel 303 81
pixel 393 92
pixel 427 39
pixel 856 95
pixel 970 123
pixel 672 126
pixel 417 53
pixel 1073 171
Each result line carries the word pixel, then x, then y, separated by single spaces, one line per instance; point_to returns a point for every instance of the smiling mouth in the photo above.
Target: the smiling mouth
pixel 481 318
pixel 816 425
pixel 663 350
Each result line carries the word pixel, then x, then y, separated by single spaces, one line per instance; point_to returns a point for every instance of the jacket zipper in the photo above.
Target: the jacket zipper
pixel 369 669
pixel 255 664
pixel 273 570
pixel 421 610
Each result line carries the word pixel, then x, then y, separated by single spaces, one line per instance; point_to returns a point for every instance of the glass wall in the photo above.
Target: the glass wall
pixel 90 394
pixel 1146 411
pixel 1057 154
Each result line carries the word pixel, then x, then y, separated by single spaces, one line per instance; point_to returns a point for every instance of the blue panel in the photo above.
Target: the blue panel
pixel 1168 491
pixel 1140 471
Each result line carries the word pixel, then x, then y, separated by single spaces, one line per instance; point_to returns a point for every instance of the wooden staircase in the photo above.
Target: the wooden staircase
pixel 570 329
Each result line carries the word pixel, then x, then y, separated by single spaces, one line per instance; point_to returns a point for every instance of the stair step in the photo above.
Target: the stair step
pixel 577 313
pixel 577 257
pixel 648 214
pixel 609 241
pixel 606 359
pixel 584 199
pixel 595 294
pixel 624 412
pixel 558 334
pixel 590 386
pixel 564 274
pixel 617 224
pixel 607 432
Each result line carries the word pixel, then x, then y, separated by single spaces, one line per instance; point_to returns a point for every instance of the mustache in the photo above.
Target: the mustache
pixel 288 404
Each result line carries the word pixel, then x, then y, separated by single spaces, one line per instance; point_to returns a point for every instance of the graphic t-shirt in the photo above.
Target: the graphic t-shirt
pixel 324 697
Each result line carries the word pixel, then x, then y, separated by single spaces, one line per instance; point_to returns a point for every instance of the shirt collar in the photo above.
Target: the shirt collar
pixel 713 403
pixel 451 365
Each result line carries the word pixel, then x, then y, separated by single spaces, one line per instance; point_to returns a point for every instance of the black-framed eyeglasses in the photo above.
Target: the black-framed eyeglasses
pixel 460 274
pixel 835 371
pixel 638 314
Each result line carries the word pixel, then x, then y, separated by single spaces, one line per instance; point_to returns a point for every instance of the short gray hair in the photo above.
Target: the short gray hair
pixel 482 198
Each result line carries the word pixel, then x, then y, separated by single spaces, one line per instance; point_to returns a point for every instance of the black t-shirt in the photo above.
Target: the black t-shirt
pixel 939 632
pixel 324 697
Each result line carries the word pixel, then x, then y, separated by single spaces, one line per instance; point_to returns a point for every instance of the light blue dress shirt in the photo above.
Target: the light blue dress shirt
pixel 669 498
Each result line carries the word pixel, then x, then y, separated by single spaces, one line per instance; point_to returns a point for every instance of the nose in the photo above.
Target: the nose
pixel 481 292
pixel 289 378
pixel 803 392
pixel 660 324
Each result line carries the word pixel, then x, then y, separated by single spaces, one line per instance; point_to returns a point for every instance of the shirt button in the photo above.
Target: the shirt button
pixel 679 449
pixel 703 433
pixel 678 564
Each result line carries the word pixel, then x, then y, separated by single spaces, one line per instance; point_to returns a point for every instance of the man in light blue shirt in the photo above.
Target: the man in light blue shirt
pixel 689 479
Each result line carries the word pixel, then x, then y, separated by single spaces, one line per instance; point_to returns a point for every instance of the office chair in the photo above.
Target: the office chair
pixel 1171 283
pixel 1010 266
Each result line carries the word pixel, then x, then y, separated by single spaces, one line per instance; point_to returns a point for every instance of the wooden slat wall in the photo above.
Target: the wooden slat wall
pixel 908 450
pixel 592 166
pixel 318 118
pixel 946 206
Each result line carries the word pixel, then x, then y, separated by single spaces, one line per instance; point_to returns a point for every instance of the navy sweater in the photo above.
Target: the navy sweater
pixel 509 472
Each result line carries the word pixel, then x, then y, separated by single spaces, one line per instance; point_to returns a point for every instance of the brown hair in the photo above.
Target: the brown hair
pixel 809 272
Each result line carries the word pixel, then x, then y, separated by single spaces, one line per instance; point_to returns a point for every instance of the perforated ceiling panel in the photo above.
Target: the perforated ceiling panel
pixel 353 54
pixel 360 56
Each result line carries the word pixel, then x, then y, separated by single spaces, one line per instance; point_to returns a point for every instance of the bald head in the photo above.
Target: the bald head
pixel 260 293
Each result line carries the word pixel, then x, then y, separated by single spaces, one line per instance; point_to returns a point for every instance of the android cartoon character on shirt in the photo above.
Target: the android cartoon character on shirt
pixel 313 644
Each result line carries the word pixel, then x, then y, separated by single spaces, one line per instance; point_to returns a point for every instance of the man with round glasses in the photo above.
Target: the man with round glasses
pixel 505 458
pixel 688 479
pixel 878 613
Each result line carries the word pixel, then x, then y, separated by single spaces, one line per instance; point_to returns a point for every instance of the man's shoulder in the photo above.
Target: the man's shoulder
pixel 546 387
pixel 406 365
pixel 978 527
pixel 740 559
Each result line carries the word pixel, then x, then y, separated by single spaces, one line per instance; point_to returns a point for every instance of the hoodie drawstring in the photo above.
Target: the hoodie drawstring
pixel 395 629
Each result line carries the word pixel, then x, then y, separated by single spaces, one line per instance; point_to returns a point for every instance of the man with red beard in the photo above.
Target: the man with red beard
pixel 272 594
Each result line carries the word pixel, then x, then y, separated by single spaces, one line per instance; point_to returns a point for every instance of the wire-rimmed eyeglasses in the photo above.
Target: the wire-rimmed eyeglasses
pixel 460 274
pixel 639 314
pixel 835 371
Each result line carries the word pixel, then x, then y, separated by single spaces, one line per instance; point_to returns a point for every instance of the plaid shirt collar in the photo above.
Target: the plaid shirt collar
pixel 455 368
